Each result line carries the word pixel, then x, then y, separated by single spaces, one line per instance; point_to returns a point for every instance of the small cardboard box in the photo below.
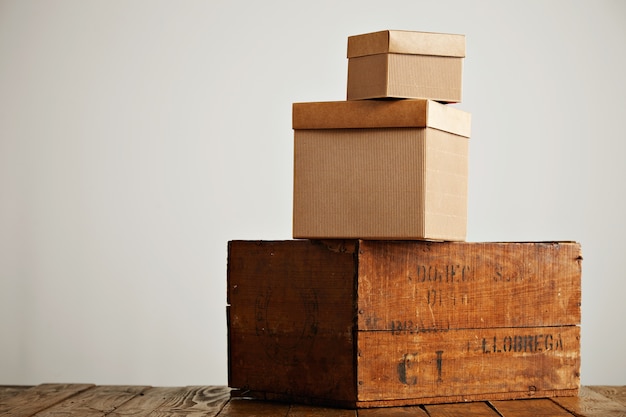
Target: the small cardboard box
pixel 390 323
pixel 380 170
pixel 403 64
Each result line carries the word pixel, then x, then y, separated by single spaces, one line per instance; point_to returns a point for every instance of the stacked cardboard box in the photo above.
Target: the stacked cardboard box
pixel 380 302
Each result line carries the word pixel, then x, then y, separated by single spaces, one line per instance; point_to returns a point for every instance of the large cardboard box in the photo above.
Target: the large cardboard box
pixel 404 64
pixel 388 323
pixel 380 170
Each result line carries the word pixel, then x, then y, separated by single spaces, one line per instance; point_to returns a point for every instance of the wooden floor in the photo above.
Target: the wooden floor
pixel 57 400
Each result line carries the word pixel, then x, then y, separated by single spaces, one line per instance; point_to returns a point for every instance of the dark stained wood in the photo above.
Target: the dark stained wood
pixel 470 409
pixel 97 401
pixel 38 398
pixel 240 407
pixel 530 408
pixel 291 319
pixel 590 403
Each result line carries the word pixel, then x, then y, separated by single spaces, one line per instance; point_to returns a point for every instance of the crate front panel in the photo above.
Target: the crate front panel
pixel 468 364
pixel 424 286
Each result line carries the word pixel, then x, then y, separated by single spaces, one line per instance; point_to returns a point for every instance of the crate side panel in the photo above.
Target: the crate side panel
pixel 291 318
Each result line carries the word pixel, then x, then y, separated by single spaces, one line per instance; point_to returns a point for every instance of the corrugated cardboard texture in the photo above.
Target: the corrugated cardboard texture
pixel 380 114
pixel 405 76
pixel 445 186
pixel 392 183
pixel 404 64
pixel 406 42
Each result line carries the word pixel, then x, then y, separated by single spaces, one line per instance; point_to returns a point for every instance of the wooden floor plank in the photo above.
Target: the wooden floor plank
pixel 412 411
pixel 98 401
pixel 34 399
pixel 590 403
pixel 472 409
pixel 243 407
pixel 615 393
pixel 86 400
pixel 8 391
pixel 147 402
pixel 312 411
pixel 541 407
pixel 205 401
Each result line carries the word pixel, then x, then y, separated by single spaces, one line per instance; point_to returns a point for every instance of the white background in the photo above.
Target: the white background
pixel 138 137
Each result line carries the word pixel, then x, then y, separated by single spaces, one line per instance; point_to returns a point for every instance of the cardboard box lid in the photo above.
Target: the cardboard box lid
pixel 406 42
pixel 371 114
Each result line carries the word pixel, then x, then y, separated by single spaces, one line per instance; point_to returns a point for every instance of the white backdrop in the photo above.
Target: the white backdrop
pixel 138 137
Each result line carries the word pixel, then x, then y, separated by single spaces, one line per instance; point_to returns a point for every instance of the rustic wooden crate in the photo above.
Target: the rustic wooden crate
pixel 385 323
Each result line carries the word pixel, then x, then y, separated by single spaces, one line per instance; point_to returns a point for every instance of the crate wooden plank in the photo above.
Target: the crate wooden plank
pixel 98 401
pixel 590 403
pixel 38 398
pixel 470 364
pixel 471 409
pixel 419 286
pixel 530 408
pixel 615 393
pixel 194 401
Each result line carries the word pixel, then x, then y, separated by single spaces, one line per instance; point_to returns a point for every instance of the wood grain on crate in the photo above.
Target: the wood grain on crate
pixel 215 401
pixel 395 323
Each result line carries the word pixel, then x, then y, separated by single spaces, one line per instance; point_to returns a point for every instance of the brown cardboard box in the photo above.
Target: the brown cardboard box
pixel 388 323
pixel 403 64
pixel 380 170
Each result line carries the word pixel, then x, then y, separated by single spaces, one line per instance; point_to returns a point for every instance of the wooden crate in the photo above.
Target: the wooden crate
pixel 386 323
